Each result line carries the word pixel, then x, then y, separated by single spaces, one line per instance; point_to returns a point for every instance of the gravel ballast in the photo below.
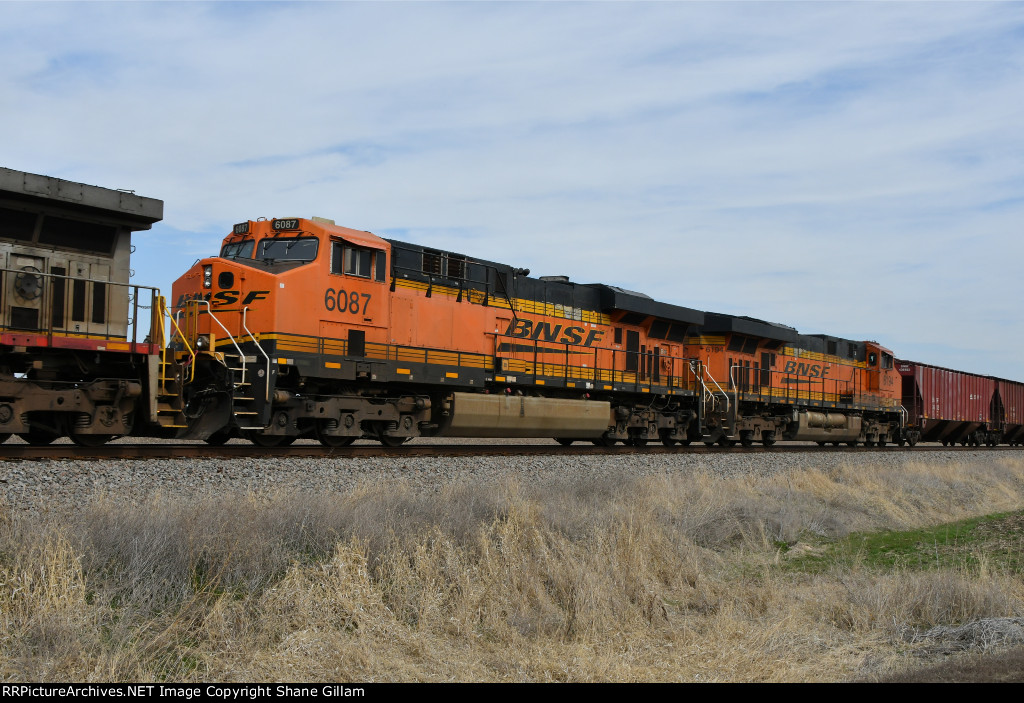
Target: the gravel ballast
pixel 60 486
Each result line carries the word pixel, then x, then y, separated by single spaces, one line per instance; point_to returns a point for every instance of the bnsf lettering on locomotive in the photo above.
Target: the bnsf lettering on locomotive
pixel 810 370
pixel 548 332
pixel 224 297
pixel 184 298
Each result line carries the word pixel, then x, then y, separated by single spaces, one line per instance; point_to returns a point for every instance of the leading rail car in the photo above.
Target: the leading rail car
pixel 302 328
pixel 79 345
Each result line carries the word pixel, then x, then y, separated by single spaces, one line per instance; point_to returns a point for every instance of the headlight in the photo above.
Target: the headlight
pixel 208 276
pixel 203 342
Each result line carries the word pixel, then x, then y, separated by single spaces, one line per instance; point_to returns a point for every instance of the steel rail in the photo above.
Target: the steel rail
pixel 63 452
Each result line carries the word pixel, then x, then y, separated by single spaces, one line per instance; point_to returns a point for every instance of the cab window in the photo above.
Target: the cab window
pixel 357 261
pixel 238 250
pixel 289 249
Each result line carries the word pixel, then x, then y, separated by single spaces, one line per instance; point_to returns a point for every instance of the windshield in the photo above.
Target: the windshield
pixel 297 248
pixel 238 250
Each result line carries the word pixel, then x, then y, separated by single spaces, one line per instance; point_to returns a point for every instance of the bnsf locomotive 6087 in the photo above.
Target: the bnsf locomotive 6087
pixel 301 328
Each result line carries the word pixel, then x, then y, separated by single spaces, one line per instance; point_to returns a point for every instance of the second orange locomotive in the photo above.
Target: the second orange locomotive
pixel 304 328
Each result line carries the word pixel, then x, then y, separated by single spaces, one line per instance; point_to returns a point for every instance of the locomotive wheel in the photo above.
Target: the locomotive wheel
pixel 4 436
pixel 564 441
pixel 668 441
pixel 269 440
pixel 912 441
pixel 333 440
pixel 684 442
pixel 91 440
pixel 768 438
pixel 39 438
pixel 637 441
pixel 603 442
pixel 329 441
pixel 389 441
pixel 218 439
pixel 852 443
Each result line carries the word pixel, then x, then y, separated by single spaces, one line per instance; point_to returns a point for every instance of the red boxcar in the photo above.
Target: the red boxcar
pixel 1011 410
pixel 949 406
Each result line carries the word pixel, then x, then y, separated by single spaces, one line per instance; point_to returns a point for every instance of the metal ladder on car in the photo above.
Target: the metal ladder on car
pixel 713 400
pixel 170 377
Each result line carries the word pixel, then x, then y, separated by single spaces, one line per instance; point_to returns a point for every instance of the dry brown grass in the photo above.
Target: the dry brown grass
pixel 674 579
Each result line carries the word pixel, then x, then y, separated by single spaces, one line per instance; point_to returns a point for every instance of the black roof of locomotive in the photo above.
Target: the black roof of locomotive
pixel 749 326
pixel 556 290
pixel 838 346
pixel 116 206
pixel 615 298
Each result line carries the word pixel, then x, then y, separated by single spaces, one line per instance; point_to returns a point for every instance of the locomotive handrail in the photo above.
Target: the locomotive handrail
pixel 462 280
pixel 48 295
pixel 264 353
pixel 192 354
pixel 241 356
pixel 708 374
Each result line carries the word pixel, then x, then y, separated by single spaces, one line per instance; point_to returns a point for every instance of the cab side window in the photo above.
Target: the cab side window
pixel 357 261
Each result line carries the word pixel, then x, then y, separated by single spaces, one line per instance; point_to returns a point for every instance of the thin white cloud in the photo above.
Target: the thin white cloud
pixel 854 168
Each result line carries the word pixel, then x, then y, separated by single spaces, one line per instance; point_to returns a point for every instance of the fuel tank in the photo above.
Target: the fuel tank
pixel 480 415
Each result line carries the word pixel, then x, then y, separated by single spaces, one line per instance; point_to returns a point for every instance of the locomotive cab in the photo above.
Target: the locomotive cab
pixel 308 277
pixel 280 290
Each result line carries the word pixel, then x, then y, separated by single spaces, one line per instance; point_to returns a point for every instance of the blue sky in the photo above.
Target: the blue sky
pixel 849 168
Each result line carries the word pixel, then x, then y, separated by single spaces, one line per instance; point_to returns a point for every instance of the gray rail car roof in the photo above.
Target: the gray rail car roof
pixel 120 206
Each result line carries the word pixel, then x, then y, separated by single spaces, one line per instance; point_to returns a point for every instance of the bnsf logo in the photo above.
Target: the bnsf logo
pixel 545 332
pixel 812 370
pixel 225 297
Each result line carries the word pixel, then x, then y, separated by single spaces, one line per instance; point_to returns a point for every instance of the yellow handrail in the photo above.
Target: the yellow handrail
pixel 192 354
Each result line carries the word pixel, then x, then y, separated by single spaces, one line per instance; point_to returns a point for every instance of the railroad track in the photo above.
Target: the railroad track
pixel 236 451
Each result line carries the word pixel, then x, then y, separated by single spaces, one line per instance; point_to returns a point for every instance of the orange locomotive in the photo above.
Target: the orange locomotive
pixel 304 328
pixel 768 382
